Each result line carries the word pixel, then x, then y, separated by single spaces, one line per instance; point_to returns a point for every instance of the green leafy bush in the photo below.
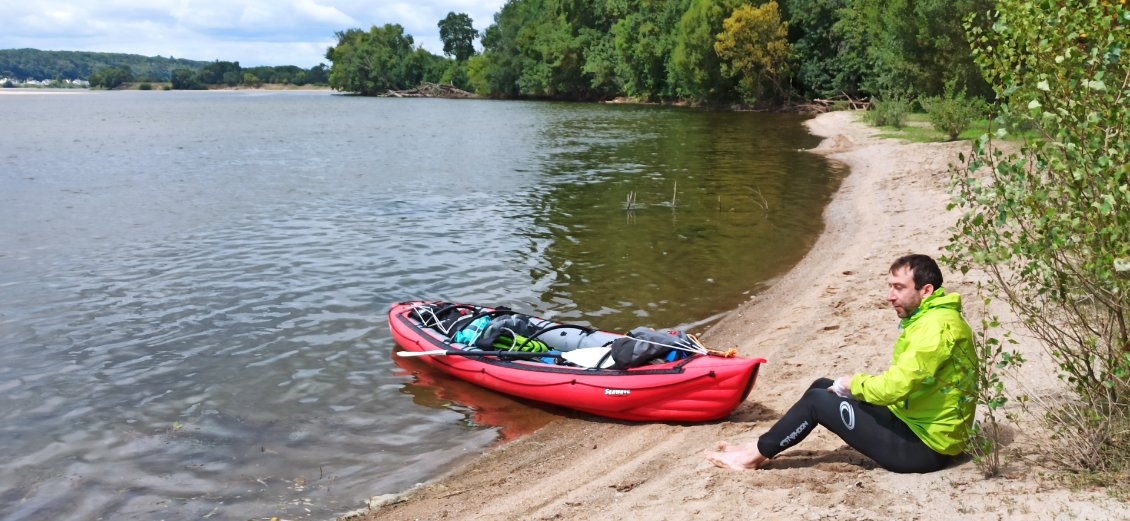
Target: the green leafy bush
pixel 1050 224
pixel 890 111
pixel 111 77
pixel 952 113
pixel 985 386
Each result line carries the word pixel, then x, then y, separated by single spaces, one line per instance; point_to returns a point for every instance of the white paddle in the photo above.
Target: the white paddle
pixel 588 357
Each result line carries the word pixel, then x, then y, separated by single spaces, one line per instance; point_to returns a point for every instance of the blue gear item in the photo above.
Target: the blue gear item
pixel 469 334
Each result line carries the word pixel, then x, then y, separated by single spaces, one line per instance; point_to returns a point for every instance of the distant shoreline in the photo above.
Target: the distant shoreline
pixel 276 87
pixel 22 91
pixel 164 87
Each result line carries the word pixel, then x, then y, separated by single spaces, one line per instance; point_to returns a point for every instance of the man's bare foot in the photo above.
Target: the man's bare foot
pixel 736 457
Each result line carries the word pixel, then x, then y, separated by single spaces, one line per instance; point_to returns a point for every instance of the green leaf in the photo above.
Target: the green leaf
pixel 1096 84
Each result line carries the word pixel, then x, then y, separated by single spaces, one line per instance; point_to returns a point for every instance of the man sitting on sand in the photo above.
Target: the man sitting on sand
pixel 912 418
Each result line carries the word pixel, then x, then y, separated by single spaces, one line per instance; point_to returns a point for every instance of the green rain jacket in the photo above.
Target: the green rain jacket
pixel 930 381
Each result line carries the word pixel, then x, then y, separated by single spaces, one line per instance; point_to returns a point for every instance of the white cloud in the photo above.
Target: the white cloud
pixel 322 13
pixel 252 32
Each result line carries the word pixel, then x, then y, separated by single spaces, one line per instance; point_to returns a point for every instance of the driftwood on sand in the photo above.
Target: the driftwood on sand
pixel 431 90
pixel 844 102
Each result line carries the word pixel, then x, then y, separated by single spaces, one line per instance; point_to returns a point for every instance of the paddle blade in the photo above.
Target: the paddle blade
pixel 409 354
pixel 590 357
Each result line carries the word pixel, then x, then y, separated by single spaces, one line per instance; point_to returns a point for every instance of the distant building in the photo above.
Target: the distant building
pixel 32 82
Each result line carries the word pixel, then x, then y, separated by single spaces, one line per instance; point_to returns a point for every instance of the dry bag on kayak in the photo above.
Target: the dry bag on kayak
pixel 471 332
pixel 643 345
pixel 504 331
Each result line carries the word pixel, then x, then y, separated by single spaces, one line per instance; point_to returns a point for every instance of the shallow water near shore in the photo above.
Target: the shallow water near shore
pixel 193 286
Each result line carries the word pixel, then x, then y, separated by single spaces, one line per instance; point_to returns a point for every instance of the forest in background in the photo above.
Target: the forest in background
pixel 711 52
pixel 701 51
pixel 111 70
pixel 22 64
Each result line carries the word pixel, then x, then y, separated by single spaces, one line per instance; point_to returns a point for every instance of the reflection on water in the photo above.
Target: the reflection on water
pixel 711 192
pixel 512 417
pixel 193 286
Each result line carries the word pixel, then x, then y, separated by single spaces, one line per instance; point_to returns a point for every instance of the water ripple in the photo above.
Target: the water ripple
pixel 194 353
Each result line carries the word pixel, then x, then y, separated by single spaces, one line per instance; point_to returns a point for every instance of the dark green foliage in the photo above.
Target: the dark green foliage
pixel 824 68
pixel 458 36
pixel 659 50
pixel 643 42
pixel 913 45
pixel 423 66
pixel 663 49
pixel 696 68
pixel 598 49
pixel 375 61
pixel 32 63
pixel 538 48
pixel 514 49
pixel 220 72
pixel 496 73
pixel 111 77
pixel 316 75
pixel 455 74
pixel 186 79
pixel 289 74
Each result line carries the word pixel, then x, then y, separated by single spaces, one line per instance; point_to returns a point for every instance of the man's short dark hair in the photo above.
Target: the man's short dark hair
pixel 925 270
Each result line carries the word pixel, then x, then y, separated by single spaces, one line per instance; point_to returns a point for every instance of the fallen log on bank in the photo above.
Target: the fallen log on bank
pixel 818 106
pixel 431 90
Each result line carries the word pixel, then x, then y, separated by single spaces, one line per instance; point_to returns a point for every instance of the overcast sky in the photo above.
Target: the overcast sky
pixel 252 32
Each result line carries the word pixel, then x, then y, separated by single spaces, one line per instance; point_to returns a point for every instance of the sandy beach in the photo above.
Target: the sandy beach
pixel 826 317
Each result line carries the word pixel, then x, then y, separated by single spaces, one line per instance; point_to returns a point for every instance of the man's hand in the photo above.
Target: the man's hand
pixel 842 387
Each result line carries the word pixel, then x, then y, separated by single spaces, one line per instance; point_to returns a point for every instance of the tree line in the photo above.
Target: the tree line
pixel 24 64
pixel 227 73
pixel 217 73
pixel 705 51
pixel 111 70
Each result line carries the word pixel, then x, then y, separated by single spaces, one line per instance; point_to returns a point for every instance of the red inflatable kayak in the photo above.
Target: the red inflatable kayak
pixel 675 385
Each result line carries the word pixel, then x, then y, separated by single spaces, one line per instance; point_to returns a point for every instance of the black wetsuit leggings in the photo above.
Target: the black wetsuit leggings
pixel 870 429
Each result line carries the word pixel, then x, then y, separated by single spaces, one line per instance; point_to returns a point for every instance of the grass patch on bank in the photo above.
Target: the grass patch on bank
pixel 917 129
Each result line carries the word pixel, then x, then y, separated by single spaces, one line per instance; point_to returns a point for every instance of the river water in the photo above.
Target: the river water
pixel 194 285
